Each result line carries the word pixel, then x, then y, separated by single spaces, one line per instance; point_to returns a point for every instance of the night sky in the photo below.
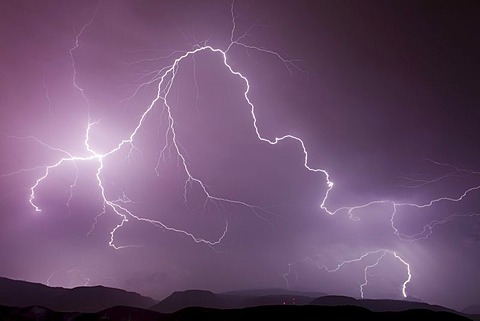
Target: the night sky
pixel 384 95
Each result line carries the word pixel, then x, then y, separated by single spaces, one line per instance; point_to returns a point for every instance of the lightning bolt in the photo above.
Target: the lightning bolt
pixel 377 254
pixel 72 50
pixel 453 171
pixel 164 80
pixel 409 274
pixel 381 254
pixel 47 95
pixel 86 276
pixel 424 233
pixel 77 274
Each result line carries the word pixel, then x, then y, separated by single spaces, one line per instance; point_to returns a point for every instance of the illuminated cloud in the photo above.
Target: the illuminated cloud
pixel 223 163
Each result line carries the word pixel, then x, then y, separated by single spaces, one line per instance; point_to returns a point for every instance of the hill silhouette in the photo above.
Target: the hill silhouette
pixel 378 305
pixel 472 309
pixel 283 312
pixel 17 293
pixel 190 298
pixel 231 300
pixel 25 301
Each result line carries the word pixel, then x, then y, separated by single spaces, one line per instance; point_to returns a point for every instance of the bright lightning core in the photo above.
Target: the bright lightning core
pixel 163 80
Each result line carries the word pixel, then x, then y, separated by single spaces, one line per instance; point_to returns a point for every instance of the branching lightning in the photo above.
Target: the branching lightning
pixel 164 80
pixel 378 255
pixel 79 276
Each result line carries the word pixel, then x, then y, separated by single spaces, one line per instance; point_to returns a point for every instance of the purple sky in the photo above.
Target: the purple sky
pixel 384 96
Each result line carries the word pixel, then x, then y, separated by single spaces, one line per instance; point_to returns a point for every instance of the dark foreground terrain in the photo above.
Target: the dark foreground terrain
pixel 25 301
pixel 279 312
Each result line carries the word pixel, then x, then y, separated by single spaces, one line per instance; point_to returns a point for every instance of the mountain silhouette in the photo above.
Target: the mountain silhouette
pixel 206 301
pixel 472 309
pixel 377 305
pixel 22 294
pixel 231 300
pixel 26 301
pixel 82 299
pixel 190 298
pixel 307 313
pixel 282 312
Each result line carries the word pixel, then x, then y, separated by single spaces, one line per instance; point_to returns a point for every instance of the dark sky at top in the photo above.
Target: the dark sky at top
pixel 384 95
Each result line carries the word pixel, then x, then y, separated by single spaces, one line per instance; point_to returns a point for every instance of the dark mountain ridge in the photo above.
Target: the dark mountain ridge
pixel 17 293
pixel 25 301
pixel 282 312
pixel 378 305
pixel 230 300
